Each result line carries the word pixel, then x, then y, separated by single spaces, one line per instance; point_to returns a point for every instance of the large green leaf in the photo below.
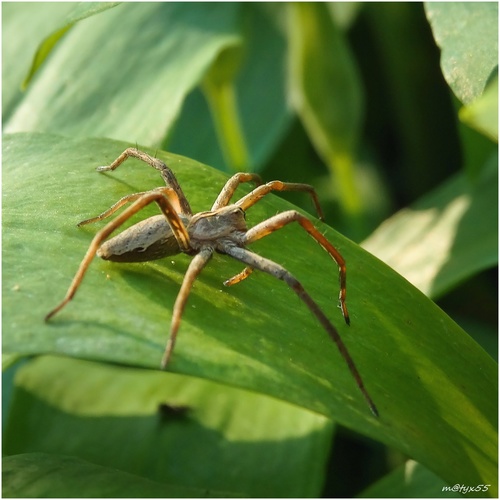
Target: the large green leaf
pixel 422 370
pixel 133 82
pixel 27 23
pixel 446 237
pixel 79 12
pixel 227 440
pixel 126 70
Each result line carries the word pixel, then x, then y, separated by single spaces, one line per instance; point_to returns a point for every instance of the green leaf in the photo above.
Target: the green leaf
pixel 411 480
pixel 227 439
pixel 27 23
pixel 325 85
pixel 126 73
pixel 482 114
pixel 42 475
pixel 468 36
pixel 421 369
pixel 80 12
pixel 446 237
pixel 9 360
pixel 131 81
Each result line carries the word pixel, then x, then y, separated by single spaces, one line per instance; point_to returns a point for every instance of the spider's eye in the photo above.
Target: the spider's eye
pixel 240 211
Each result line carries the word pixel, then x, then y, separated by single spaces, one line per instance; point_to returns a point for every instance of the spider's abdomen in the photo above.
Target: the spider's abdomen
pixel 149 239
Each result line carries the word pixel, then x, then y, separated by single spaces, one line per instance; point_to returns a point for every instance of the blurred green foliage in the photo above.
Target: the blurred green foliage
pixel 389 109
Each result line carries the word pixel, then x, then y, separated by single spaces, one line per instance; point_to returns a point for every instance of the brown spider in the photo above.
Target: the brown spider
pixel 222 229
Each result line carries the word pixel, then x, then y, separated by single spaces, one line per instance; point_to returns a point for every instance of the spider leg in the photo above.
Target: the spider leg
pixel 195 267
pixel 259 192
pixel 268 266
pixel 167 174
pixel 230 187
pixel 168 211
pixel 239 277
pixel 278 221
pixel 223 200
pixel 174 199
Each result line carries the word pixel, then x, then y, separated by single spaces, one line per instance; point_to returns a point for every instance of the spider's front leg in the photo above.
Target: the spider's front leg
pixel 195 267
pixel 230 187
pixel 255 196
pixel 166 173
pixel 259 192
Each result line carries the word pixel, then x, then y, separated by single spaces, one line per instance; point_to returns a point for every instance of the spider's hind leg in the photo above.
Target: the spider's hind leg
pixel 268 266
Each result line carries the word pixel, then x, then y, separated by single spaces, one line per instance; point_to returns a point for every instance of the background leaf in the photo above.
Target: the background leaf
pixel 421 368
pixel 81 11
pixel 35 21
pixel 468 37
pixel 41 475
pixel 410 481
pixel 445 237
pixel 98 97
pixel 482 114
pixel 150 73
pixel 256 446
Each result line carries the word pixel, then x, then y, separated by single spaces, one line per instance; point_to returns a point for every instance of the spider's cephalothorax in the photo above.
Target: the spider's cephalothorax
pixel 222 229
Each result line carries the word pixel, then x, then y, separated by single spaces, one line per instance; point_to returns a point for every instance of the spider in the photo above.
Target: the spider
pixel 222 229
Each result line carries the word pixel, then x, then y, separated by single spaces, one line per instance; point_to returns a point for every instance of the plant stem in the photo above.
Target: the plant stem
pixel 342 170
pixel 221 98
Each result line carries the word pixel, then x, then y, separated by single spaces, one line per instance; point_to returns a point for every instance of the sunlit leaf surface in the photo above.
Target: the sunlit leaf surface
pixel 422 370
